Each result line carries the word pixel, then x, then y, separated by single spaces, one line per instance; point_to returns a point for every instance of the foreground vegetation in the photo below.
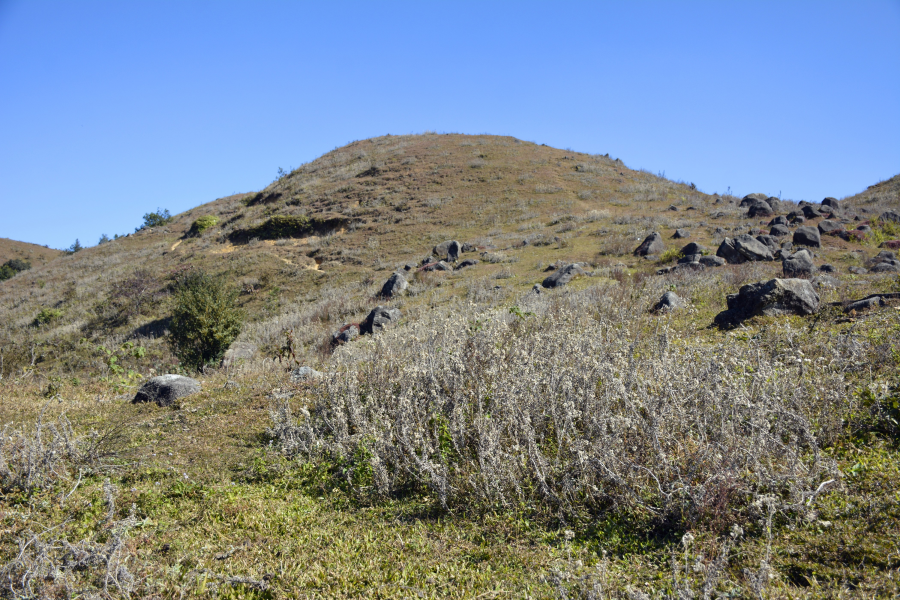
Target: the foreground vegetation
pixel 497 443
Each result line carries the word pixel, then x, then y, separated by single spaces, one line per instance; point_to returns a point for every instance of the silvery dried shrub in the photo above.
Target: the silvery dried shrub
pixel 575 401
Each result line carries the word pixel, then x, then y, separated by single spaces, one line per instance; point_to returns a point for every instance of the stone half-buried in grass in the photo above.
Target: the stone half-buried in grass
pixel 775 297
pixel 166 389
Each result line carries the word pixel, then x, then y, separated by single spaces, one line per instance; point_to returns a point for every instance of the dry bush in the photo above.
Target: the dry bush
pixel 575 402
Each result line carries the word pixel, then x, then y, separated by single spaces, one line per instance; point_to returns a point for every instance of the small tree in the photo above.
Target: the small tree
pixel 103 239
pixel 205 321
pixel 74 247
pixel 156 219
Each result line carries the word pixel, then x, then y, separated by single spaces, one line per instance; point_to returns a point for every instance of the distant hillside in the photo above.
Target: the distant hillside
pixel 36 255
pixel 310 251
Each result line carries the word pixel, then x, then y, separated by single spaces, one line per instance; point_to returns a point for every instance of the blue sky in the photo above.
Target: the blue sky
pixel 110 109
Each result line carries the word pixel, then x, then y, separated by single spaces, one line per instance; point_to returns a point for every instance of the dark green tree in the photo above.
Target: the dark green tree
pixel 156 219
pixel 205 321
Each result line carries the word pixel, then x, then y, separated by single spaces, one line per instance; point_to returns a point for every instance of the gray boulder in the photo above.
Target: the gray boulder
pixel 693 248
pixel 653 244
pixel 711 261
pixel 890 215
pixel 883 256
pixel 825 281
pixel 467 247
pixel 394 286
pixel 865 304
pixel 811 212
pixel 808 236
pixel 780 220
pixel 827 226
pixel 827 269
pixel 779 230
pixel 886 267
pixel 345 334
pixel 669 301
pixel 305 374
pixel 448 250
pixel 769 242
pixel 770 298
pixel 798 264
pixel 438 266
pixel 562 276
pixel 749 199
pixel 760 208
pixel 832 202
pixel 379 319
pixel 237 352
pixel 751 248
pixel 166 389
pixel 681 233
pixel 729 253
pixel 858 270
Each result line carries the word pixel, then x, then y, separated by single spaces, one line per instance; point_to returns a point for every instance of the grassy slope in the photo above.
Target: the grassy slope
pixel 36 255
pixel 213 502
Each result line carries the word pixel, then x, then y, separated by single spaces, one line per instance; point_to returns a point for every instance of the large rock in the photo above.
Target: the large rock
pixel 760 208
pixel 832 202
pixel 237 352
pixel 562 276
pixel 811 212
pixel 890 215
pixel 681 233
pixel 394 286
pixel 798 264
pixel 379 319
pixel 166 389
pixel 751 248
pixel 865 304
pixel 448 250
pixel 669 301
pixel 728 252
pixel 711 261
pixel 438 266
pixel 828 227
pixel 886 267
pixel 653 244
pixel 808 236
pixel 770 298
pixel 693 248
pixel 769 242
pixel 749 199
pixel 779 230
pixel 778 221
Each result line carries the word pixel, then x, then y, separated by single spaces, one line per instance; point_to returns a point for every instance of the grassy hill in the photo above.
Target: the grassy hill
pixel 498 441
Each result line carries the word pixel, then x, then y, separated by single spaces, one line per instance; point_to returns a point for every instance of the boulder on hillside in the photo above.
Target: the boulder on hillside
pixel 345 334
pixel 751 198
pixel 751 248
pixel 858 270
pixel 775 203
pixel 885 256
pixel 865 304
pixel 770 298
pixel 448 250
pixel 779 230
pixel 669 301
pixel 166 389
pixel 890 244
pixel 729 253
pixel 379 319
pixel 827 227
pixel 693 248
pixel 238 351
pixel 798 264
pixel 469 262
pixel 807 236
pixel 760 208
pixel 886 267
pixel 681 233
pixel 562 276
pixel 811 212
pixel 467 247
pixel 769 242
pixel 711 261
pixel 438 266
pixel 780 220
pixel 394 286
pixel 653 244
pixel 832 202
pixel 890 215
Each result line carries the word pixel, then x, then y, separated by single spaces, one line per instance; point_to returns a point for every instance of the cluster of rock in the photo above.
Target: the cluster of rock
pixel 378 319
pixel 166 389
pixel 694 257
pixel 770 298
pixel 884 262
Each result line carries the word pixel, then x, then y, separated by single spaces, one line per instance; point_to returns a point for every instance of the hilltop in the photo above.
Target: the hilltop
pixel 507 436
pixel 33 253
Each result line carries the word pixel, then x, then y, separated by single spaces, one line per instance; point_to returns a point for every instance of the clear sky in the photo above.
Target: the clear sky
pixel 110 109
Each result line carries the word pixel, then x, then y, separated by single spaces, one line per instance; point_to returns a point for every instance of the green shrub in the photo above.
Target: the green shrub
pixel 289 226
pixel 76 247
pixel 202 224
pixel 670 255
pixel 12 267
pixel 47 315
pixel 205 320
pixel 884 230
